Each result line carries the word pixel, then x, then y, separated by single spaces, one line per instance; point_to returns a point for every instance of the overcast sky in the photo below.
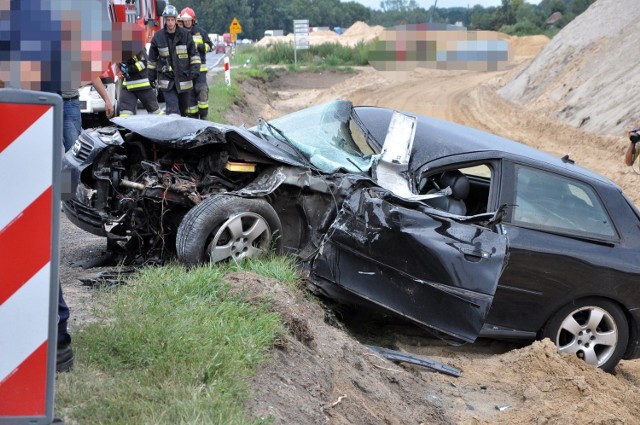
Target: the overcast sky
pixel 426 4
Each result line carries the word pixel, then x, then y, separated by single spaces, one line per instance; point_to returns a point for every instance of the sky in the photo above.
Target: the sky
pixel 426 4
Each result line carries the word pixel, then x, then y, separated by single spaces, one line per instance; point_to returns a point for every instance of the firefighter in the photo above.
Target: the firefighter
pixel 136 86
pixel 174 62
pixel 199 100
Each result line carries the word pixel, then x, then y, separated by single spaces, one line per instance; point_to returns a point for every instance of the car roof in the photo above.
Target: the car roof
pixel 436 139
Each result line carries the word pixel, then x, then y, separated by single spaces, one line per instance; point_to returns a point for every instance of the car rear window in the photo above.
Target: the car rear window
pixel 558 203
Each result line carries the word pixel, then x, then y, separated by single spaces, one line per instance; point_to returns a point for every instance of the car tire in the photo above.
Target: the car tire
pixel 227 227
pixel 595 330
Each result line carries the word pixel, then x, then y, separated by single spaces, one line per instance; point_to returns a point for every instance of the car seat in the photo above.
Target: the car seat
pixel 454 203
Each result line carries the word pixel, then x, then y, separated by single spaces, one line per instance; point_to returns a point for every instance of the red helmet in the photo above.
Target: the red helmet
pixel 187 13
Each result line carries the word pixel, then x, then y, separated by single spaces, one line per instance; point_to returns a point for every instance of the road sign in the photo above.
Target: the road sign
pixel 30 149
pixel 301 33
pixel 235 27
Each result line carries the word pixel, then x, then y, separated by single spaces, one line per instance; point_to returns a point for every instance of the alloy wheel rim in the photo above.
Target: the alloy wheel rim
pixel 244 235
pixel 589 333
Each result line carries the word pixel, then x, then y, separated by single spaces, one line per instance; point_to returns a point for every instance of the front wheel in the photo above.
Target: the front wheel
pixel 594 330
pixel 227 227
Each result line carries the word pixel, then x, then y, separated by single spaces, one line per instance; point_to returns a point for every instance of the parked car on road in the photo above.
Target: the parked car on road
pixel 221 47
pixel 462 232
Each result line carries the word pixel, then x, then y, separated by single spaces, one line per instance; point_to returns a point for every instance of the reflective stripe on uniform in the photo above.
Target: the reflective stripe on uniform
pixel 163 84
pixel 192 110
pixel 136 84
pixel 195 59
pixel 140 65
pixel 151 65
pixel 186 85
pixel 203 105
pixel 163 51
pixel 203 68
pixel 182 52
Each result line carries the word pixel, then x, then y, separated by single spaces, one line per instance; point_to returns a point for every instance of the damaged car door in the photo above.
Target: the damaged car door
pixel 427 267
pixel 437 269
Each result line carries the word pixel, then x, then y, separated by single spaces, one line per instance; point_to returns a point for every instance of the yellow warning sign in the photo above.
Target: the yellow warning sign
pixel 235 27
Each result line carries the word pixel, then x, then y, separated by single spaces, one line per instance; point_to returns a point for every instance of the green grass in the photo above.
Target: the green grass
pixel 172 347
pixel 329 54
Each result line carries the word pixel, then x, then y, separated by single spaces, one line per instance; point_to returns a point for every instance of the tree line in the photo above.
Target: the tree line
pixel 515 17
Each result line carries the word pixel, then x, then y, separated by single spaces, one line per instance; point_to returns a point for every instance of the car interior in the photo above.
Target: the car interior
pixel 469 189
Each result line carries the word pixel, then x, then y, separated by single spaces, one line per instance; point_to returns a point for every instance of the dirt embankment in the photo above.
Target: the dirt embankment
pixel 588 74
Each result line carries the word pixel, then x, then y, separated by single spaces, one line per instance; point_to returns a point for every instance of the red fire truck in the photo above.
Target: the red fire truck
pixel 147 14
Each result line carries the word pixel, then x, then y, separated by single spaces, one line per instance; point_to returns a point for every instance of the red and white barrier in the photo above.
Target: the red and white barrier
pixel 227 71
pixel 26 253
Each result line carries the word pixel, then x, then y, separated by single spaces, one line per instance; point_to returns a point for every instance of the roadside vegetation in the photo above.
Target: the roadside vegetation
pixel 515 17
pixel 265 63
pixel 171 346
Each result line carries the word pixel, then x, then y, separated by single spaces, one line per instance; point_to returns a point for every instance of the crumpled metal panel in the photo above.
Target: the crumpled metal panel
pixel 169 128
pixel 431 269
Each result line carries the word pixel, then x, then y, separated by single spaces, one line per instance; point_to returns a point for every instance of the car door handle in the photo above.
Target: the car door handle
pixel 474 252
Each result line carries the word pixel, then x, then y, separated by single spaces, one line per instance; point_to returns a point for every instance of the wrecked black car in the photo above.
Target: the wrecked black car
pixel 317 183
pixel 413 214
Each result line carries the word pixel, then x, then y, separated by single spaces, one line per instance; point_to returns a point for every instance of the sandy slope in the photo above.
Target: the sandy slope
pixel 588 74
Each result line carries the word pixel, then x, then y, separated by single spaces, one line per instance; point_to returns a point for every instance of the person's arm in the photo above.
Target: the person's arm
pixel 102 91
pixel 631 154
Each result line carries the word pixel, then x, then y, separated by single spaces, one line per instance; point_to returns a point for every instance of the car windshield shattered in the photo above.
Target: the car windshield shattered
pixel 325 136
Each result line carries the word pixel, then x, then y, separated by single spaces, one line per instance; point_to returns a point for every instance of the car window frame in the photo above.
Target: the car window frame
pixel 468 160
pixel 509 197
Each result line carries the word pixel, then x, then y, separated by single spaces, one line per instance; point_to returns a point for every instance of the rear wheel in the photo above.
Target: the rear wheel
pixel 227 227
pixel 595 330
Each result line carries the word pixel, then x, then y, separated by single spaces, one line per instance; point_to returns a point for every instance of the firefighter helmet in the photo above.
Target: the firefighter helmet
pixel 188 13
pixel 170 11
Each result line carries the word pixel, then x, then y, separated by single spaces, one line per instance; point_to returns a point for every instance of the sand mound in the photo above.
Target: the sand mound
pixel 585 75
pixel 359 32
pixel 527 46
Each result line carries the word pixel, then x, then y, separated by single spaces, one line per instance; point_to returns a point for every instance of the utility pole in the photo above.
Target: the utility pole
pixel 432 10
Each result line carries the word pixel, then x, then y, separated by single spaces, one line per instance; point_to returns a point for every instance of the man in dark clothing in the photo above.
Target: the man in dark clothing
pixel 174 62
pixel 199 100
pixel 136 86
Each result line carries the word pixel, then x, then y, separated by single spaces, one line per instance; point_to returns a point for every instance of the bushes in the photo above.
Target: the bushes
pixel 330 54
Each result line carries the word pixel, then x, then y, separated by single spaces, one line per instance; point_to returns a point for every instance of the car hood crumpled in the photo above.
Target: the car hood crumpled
pixel 188 133
pixel 173 129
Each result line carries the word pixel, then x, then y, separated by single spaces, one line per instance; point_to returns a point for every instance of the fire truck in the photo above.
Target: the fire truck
pixel 144 13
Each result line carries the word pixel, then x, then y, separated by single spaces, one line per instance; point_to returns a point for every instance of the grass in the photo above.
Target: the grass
pixel 173 347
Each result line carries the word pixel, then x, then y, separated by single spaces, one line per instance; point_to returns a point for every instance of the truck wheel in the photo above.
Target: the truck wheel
pixel 227 227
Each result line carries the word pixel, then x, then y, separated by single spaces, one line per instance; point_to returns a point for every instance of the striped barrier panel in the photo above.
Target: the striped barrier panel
pixel 30 160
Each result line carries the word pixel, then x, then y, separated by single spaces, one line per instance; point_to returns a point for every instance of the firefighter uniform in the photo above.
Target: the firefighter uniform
pixel 199 100
pixel 136 86
pixel 175 62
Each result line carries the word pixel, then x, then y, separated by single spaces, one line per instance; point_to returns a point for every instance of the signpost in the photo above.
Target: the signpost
pixel 301 36
pixel 235 28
